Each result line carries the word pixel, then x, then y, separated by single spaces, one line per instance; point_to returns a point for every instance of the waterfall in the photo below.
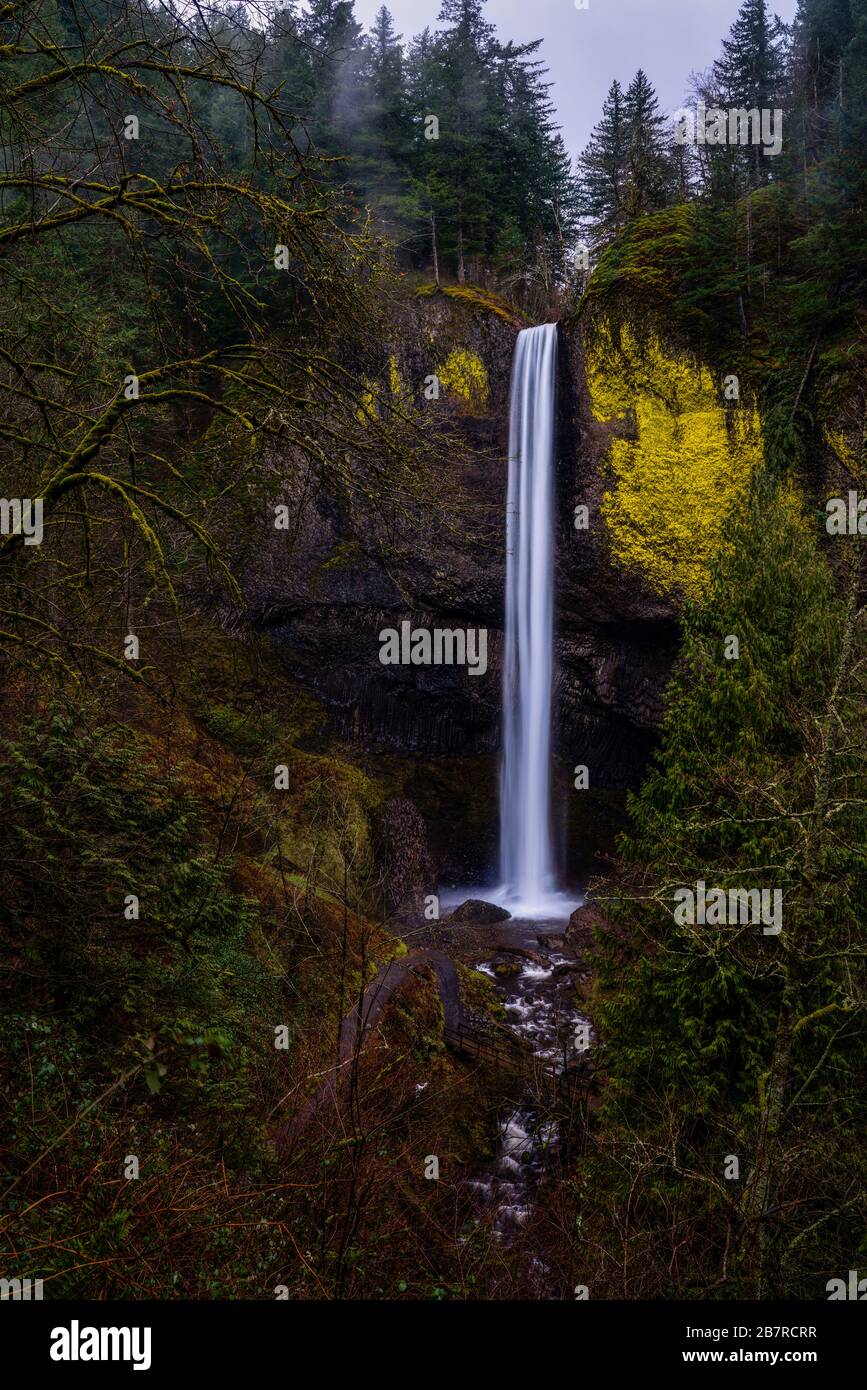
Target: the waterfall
pixel 526 855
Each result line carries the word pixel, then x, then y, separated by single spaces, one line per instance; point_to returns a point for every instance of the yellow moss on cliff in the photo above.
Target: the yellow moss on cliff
pixel 846 452
pixel 368 401
pixel 396 384
pixel 475 298
pixel 675 483
pixel 465 374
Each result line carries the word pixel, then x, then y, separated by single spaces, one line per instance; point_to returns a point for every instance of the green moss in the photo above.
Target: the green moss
pixel 665 273
pixel 479 994
pixel 505 969
pixel 476 298
pixel 345 554
pixel 242 731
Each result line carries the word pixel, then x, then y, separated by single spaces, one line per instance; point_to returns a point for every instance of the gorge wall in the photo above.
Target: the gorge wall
pixel 325 598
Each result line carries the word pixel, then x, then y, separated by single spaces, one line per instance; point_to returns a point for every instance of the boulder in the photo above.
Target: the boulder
pixel 579 932
pixel 551 943
pixel 506 948
pixel 474 912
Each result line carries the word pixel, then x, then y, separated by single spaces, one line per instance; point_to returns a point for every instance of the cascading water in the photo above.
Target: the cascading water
pixel 526 856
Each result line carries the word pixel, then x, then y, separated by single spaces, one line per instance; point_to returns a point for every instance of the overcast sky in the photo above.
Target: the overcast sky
pixel 586 49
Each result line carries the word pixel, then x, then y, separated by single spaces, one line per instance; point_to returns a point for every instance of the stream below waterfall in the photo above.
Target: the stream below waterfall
pixel 541 1007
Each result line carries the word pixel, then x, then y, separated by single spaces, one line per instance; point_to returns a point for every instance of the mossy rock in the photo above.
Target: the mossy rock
pixel 507 969
pixel 475 297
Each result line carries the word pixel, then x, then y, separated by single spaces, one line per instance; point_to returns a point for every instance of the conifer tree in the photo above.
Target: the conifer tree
pixel 648 168
pixel 332 38
pixel 602 168
pixel 722 1039
pixel 535 187
pixel 383 148
pixel 751 73
pixel 462 158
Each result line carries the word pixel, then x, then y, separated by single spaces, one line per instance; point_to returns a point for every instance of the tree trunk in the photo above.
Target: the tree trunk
pixel 433 245
pixel 769 1131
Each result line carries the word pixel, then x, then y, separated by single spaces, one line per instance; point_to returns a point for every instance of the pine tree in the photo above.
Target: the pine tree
pixel 383 148
pixel 751 72
pixel 385 71
pixel 716 165
pixel 461 161
pixel 602 168
pixel 332 38
pixel 535 190
pixel 829 71
pixel 648 167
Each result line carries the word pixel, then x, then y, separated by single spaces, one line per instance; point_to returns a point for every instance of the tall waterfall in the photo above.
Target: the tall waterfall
pixel 526 856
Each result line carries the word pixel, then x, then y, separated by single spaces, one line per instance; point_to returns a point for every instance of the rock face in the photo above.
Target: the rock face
pixel 327 604
pixel 616 640
pixel 324 609
pixel 582 923
pixel 403 855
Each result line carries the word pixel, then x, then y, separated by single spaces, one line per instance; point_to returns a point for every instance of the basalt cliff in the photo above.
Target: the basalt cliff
pixel 324 594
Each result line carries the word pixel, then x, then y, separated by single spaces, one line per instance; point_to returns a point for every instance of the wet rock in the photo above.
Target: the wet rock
pixel 505 969
pixel 583 987
pixel 582 923
pixel 476 913
pixel 324 594
pixel 506 948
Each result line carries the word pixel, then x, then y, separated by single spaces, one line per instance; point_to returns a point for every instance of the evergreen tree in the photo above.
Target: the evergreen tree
pixel 383 148
pixel 648 166
pixel 751 73
pixel 452 144
pixel 721 1039
pixel 626 169
pixel 536 189
pixel 430 191
pixel 287 61
pixel 332 95
pixel 602 168
pixel 719 178
pixel 385 71
pixel 461 161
